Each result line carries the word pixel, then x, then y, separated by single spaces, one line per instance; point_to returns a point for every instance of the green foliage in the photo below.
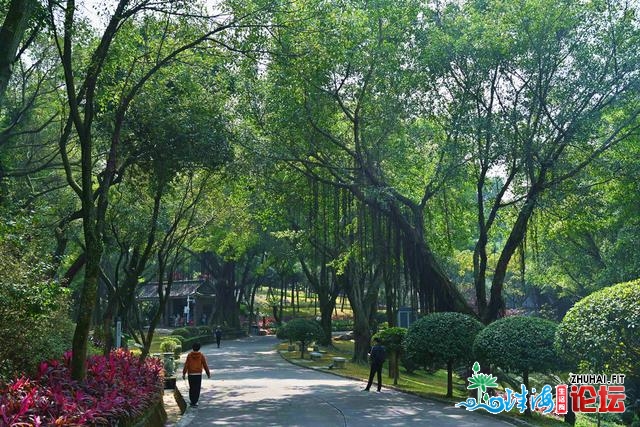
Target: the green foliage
pixel 342 325
pixel 194 331
pixel 172 343
pixel 34 311
pixel 442 337
pixel 204 330
pixel 392 338
pixel 167 346
pixel 601 333
pixel 521 344
pixel 183 332
pixel 304 331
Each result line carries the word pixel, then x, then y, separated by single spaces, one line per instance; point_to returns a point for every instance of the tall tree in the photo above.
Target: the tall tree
pixel 346 97
pixel 536 96
pixel 84 110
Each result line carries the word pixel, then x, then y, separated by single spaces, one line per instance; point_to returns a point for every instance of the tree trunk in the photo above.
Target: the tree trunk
pixel 107 322
pixel 394 369
pixel 87 302
pixel 227 311
pixel 496 306
pixel 449 378
pixel 327 298
pixel 163 297
pixel 327 304
pixel 363 302
pixel 11 34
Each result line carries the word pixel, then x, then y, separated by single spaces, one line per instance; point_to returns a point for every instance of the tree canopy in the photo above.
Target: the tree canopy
pixel 476 157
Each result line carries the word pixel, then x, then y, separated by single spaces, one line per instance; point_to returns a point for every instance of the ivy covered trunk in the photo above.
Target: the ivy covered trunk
pixel 87 302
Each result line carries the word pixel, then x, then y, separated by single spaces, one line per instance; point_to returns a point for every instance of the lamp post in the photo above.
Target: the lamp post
pixel 187 309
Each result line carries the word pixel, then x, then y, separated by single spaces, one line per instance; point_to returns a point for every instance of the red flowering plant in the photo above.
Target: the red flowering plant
pixel 118 388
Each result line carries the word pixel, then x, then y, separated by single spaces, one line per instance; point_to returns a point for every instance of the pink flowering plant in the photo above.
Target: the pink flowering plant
pixel 118 389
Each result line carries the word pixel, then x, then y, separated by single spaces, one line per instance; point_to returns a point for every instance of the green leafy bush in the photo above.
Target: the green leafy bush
pixel 442 339
pixel 392 339
pixel 170 346
pixel 178 338
pixel 194 331
pixel 302 330
pixel 602 331
pixel 204 330
pixel 521 344
pixel 183 332
pixel 35 323
pixel 338 325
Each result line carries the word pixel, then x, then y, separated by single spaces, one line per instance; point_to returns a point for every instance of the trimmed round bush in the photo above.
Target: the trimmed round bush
pixel 304 331
pixel 521 344
pixel 183 332
pixel 194 331
pixel 171 344
pixel 204 330
pixel 391 339
pixel 442 339
pixel 601 333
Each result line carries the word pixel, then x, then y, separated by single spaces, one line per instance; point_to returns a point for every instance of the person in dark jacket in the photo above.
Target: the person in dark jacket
pixel 376 358
pixel 218 336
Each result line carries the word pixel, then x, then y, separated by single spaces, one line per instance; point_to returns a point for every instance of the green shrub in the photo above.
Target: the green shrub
pixel 178 338
pixel 521 344
pixel 602 331
pixel 302 330
pixel 175 338
pixel 204 330
pixel 167 346
pixel 341 325
pixel 408 363
pixel 194 331
pixel 442 339
pixel 183 332
pixel 392 339
pixel 34 314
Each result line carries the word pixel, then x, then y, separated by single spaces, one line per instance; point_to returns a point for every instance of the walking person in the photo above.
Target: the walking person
pixel 193 366
pixel 376 358
pixel 218 336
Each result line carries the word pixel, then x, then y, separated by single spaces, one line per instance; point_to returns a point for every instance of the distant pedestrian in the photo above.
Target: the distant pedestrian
pixel 194 365
pixel 218 336
pixel 376 359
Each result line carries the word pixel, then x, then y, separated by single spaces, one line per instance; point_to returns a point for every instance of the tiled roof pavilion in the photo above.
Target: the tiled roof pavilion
pixel 179 289
pixel 202 297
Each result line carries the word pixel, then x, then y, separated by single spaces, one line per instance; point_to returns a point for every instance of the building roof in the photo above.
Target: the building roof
pixel 179 289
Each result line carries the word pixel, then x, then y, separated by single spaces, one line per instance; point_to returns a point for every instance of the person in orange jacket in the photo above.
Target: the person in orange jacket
pixel 194 365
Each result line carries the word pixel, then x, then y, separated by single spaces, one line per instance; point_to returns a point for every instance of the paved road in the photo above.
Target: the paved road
pixel 252 385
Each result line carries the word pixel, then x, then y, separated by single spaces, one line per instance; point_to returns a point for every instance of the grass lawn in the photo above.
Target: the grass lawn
pixel 421 383
pixel 306 308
